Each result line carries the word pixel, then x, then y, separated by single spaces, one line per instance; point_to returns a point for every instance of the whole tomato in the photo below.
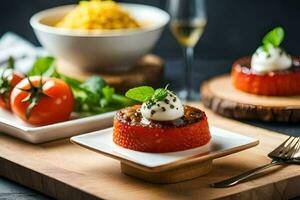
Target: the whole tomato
pixel 42 100
pixel 8 80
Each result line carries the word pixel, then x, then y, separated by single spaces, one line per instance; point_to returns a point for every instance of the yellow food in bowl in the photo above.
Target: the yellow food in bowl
pixel 97 14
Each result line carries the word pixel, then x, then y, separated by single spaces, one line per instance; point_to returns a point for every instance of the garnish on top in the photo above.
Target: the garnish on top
pixel 270 56
pixel 273 38
pixel 160 104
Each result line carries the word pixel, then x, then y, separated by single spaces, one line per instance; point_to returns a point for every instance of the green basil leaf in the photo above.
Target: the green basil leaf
pixel 160 94
pixel 107 93
pixel 140 94
pixel 122 101
pixel 72 82
pixel 274 37
pixel 43 66
pixel 94 84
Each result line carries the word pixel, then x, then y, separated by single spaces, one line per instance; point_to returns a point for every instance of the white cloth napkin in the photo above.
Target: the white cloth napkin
pixel 22 50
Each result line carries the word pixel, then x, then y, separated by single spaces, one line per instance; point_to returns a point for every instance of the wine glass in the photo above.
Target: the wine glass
pixel 188 20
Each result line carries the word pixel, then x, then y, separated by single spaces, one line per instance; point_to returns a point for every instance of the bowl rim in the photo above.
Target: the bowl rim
pixel 37 25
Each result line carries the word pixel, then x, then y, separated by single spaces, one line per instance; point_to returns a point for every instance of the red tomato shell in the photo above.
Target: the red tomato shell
pixel 159 140
pixel 285 83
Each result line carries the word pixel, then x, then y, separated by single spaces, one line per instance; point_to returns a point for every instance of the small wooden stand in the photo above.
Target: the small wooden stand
pixel 147 71
pixel 219 95
pixel 169 176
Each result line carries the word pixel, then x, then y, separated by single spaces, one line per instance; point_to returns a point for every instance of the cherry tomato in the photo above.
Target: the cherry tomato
pixel 8 82
pixel 42 101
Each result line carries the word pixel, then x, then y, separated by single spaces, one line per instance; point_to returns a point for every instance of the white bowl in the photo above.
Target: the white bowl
pixel 96 50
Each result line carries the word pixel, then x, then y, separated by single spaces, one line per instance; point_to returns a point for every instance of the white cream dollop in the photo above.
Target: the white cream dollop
pixel 168 109
pixel 273 60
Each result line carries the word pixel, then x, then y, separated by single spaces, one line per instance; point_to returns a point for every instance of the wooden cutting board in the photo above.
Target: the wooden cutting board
pixel 66 171
pixel 219 95
pixel 147 71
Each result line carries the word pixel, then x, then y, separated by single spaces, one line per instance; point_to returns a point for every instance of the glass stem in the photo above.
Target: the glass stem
pixel 188 58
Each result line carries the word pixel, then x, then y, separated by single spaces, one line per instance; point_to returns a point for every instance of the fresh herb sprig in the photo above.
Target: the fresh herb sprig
pixel 92 96
pixel 272 39
pixel 147 94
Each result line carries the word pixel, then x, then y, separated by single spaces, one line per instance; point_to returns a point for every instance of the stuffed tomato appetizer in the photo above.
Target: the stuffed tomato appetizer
pixel 161 124
pixel 270 71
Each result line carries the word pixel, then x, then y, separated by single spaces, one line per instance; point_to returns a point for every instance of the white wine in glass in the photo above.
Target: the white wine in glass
pixel 188 21
pixel 188 33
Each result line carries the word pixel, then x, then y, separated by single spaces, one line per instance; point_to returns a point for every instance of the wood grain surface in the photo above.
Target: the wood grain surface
pixel 219 95
pixel 148 71
pixel 66 171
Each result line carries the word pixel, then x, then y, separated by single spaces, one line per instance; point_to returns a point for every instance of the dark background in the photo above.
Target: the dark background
pixel 234 28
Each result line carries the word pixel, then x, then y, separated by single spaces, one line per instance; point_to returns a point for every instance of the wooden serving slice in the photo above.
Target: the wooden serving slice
pixel 219 95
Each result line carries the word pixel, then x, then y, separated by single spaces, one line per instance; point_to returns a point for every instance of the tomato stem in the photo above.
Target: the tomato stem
pixel 34 96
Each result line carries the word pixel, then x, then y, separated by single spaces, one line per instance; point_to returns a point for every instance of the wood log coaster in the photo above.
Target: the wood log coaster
pixel 148 71
pixel 219 95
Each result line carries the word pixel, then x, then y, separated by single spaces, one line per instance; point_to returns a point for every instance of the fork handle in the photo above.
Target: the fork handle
pixel 237 179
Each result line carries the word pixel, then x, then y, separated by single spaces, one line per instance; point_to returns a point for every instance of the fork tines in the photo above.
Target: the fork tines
pixel 287 150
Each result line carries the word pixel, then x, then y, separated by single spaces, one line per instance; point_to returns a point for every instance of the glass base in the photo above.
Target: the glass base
pixel 193 96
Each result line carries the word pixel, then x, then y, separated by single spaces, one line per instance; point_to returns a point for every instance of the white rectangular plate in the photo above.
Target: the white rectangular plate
pixel 12 125
pixel 223 142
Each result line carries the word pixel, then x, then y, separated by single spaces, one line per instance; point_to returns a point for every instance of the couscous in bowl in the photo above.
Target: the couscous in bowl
pixel 100 50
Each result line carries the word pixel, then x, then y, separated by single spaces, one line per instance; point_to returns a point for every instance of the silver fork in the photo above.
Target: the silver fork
pixel 286 153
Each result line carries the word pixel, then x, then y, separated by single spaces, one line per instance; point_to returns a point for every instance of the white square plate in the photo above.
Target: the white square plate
pixel 14 126
pixel 223 143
